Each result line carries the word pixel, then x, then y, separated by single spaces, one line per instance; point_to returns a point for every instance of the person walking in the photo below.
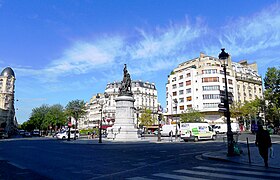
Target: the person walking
pixel 170 135
pixel 263 141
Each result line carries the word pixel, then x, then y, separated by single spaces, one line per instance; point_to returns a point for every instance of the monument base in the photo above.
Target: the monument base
pixel 124 127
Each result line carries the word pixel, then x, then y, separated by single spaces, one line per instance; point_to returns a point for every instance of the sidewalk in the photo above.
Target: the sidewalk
pixel 256 159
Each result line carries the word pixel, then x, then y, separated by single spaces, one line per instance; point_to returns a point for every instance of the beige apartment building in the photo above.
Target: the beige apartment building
pixel 144 93
pixel 7 90
pixel 197 83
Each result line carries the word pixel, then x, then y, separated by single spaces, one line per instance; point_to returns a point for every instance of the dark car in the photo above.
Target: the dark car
pixel 35 132
pixel 27 134
pixel 4 134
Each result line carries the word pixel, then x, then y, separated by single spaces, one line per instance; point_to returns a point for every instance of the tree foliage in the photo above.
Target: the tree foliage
pixel 272 95
pixel 75 108
pixel 191 115
pixel 44 117
pixel 146 118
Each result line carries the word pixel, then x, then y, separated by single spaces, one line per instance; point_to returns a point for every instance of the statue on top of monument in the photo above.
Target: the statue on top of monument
pixel 125 88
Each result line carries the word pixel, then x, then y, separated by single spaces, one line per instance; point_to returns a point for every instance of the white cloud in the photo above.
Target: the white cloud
pixel 250 34
pixel 166 42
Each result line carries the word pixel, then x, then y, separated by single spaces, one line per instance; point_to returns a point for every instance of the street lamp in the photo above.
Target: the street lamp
pixel 101 110
pixel 137 111
pixel 224 57
pixel 176 133
pixel 159 122
pixel 76 110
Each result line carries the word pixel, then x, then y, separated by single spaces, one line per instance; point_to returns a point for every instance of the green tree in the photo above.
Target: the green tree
pixel 146 118
pixel 75 108
pixel 38 117
pixel 191 115
pixel 55 116
pixel 272 95
pixel 235 110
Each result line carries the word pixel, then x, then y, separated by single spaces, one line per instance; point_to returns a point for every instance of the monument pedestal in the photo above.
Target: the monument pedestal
pixel 124 127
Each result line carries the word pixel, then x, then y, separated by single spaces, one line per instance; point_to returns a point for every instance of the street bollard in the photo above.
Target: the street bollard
pixel 248 147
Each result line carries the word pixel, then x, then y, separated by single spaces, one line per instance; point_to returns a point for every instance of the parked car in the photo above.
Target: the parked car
pixel 4 134
pixel 21 132
pixel 36 132
pixel 27 134
pixel 64 134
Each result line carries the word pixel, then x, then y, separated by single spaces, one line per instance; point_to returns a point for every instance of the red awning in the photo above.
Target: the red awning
pixel 106 126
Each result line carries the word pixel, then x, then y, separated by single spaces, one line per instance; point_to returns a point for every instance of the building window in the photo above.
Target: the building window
pixel 188 83
pixel 189 106
pixel 210 79
pixel 211 96
pixel 181 100
pixel 181 77
pixel 210 105
pixel 230 89
pixel 210 88
pixel 181 92
pixel 209 71
pixel 174 93
pixel 181 84
pixel 181 107
pixel 189 75
pixel 230 81
pixel 189 98
pixel 174 86
pixel 189 90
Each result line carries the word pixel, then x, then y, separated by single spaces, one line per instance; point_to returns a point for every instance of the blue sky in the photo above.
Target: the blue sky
pixel 67 49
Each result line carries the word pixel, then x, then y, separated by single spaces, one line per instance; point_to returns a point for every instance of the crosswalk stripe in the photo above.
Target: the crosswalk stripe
pixel 172 176
pixel 257 168
pixel 215 175
pixel 138 178
pixel 238 171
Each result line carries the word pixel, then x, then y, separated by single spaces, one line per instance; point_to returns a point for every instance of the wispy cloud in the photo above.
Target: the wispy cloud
pixel 250 34
pixel 164 48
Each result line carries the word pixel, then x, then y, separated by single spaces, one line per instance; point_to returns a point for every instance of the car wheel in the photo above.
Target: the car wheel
pixel 185 140
pixel 195 139
pixel 214 138
pixel 63 137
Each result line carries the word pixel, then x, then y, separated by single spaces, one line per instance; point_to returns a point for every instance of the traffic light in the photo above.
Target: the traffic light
pixel 223 97
pixel 222 107
pixel 159 117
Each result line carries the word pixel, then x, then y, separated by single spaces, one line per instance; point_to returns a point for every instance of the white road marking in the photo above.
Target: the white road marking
pixel 217 175
pixel 239 171
pixel 178 177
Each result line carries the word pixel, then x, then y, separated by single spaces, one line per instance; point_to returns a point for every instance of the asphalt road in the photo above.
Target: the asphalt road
pixel 44 158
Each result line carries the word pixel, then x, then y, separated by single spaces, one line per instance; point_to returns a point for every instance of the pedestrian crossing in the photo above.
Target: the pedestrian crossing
pixel 216 171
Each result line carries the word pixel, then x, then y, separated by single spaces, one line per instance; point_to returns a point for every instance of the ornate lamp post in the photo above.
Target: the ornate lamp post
pixel 101 103
pixel 76 109
pixel 159 123
pixel 176 133
pixel 223 56
pixel 137 111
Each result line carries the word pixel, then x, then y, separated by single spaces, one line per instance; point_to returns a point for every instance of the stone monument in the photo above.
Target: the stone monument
pixel 124 127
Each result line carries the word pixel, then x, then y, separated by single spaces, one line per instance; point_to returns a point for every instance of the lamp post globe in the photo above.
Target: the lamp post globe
pixel 224 57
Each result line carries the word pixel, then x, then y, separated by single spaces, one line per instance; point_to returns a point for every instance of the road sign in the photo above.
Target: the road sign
pixel 222 110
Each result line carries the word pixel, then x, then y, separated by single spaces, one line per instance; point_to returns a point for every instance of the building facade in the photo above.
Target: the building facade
pixel 144 93
pixel 197 83
pixel 7 90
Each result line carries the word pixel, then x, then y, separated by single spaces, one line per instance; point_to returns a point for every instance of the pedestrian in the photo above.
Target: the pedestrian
pixel 170 135
pixel 263 141
pixel 89 135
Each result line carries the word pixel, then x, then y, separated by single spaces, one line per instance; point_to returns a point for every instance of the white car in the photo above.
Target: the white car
pixel 64 134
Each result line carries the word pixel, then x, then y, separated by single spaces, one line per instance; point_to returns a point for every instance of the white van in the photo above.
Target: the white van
pixel 165 129
pixel 64 134
pixel 196 131
pixel 222 128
